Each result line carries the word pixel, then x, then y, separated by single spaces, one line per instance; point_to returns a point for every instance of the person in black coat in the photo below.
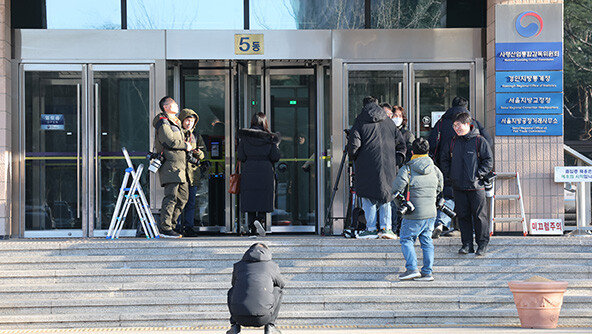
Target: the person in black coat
pixel 256 293
pixel 441 134
pixel 376 147
pixel 466 159
pixel 258 152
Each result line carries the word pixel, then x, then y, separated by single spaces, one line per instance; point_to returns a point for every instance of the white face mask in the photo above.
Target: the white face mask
pixel 398 121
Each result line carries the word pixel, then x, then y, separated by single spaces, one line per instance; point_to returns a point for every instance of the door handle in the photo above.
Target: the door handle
pixel 78 151
pixel 400 95
pixel 417 108
pixel 97 138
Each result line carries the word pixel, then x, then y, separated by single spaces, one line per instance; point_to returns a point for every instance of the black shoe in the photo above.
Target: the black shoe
pixel 234 329
pixel 437 231
pixel 189 232
pixel 481 250
pixel 466 249
pixel 170 234
pixel 271 329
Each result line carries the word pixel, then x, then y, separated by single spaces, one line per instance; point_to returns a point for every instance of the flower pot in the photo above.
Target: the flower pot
pixel 538 302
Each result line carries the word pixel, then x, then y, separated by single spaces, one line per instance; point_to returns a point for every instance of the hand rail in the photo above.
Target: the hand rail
pixel 570 151
pixel 583 200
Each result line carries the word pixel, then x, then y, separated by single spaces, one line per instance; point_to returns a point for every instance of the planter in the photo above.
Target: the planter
pixel 538 301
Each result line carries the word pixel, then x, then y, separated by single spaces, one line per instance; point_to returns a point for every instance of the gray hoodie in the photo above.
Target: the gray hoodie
pixel 425 183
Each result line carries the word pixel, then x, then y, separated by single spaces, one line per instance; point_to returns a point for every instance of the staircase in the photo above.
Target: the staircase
pixel 331 281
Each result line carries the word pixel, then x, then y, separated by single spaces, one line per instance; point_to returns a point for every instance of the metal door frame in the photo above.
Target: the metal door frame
pixel 93 133
pixel 82 169
pixel 268 72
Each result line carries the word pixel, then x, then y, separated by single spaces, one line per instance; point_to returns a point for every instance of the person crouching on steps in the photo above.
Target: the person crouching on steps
pixel 423 181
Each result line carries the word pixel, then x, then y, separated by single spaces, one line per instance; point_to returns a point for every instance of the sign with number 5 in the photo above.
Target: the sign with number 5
pixel 248 44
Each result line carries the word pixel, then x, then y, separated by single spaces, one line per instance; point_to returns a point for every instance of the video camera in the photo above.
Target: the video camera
pixel 156 160
pixel 405 206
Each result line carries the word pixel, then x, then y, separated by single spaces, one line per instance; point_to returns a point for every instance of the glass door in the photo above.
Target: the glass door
pixel 53 141
pixel 434 87
pixel 386 82
pixel 207 92
pixel 292 110
pixel 121 113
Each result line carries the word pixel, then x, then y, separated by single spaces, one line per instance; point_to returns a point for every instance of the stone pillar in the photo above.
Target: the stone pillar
pixel 534 157
pixel 5 119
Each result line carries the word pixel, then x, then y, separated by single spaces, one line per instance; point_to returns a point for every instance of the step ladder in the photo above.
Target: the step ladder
pixel 132 195
pixel 518 197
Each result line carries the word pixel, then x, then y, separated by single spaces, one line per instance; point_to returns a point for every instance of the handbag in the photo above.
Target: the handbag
pixel 234 181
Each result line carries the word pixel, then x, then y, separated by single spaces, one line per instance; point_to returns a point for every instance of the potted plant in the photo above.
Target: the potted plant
pixel 538 301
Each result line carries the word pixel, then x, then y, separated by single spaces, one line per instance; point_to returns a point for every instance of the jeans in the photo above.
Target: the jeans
pixel 411 229
pixel 442 218
pixel 188 217
pixel 370 208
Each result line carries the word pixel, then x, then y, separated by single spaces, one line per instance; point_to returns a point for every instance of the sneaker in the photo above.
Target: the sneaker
pixel 466 249
pixel 451 233
pixel 234 329
pixel 423 277
pixel 481 250
pixel 271 329
pixel 368 235
pixel 189 232
pixel 260 229
pixel 170 234
pixel 437 231
pixel 388 234
pixel 409 274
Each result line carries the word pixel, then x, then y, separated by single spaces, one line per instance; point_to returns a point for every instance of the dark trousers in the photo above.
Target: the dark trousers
pixel 175 197
pixel 470 207
pixel 258 321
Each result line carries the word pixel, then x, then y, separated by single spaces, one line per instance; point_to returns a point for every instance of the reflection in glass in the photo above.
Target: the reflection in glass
pixel 408 14
pixel 124 121
pixel 437 90
pixel 206 95
pixel 83 14
pixel 293 116
pixel 306 14
pixel 184 14
pixel 51 145
pixel 386 86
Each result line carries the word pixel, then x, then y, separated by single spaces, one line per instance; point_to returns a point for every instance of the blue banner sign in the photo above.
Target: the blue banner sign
pixel 542 56
pixel 52 122
pixel 537 81
pixel 529 103
pixel 529 125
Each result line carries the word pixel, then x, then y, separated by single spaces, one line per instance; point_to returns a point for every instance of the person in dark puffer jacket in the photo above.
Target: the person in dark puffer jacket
pixel 467 159
pixel 256 293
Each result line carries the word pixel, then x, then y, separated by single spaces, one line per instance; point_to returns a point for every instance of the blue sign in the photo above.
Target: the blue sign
pixel 539 81
pixel 529 103
pixel 547 56
pixel 529 125
pixel 52 122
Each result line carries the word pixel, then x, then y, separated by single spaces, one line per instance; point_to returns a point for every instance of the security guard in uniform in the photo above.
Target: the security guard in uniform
pixel 170 141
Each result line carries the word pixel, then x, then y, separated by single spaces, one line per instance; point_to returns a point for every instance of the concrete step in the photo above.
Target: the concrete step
pixel 574 317
pixel 196 289
pixel 287 260
pixel 290 303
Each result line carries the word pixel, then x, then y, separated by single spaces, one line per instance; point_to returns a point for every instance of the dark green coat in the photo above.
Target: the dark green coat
pixel 170 140
pixel 194 172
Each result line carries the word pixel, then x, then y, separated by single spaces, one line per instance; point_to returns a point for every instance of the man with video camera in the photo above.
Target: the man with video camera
pixel 467 162
pixel 416 189
pixel 171 146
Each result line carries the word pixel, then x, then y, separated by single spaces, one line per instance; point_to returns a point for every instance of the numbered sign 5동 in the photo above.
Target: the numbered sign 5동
pixel 248 44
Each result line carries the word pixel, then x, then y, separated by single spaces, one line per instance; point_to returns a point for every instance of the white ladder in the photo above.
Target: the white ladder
pixel 128 196
pixel 518 197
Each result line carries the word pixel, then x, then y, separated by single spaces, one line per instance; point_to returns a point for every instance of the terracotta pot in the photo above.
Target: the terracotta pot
pixel 538 303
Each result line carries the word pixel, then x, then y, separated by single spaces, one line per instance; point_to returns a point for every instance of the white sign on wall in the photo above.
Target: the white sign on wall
pixel 545 227
pixel 573 174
